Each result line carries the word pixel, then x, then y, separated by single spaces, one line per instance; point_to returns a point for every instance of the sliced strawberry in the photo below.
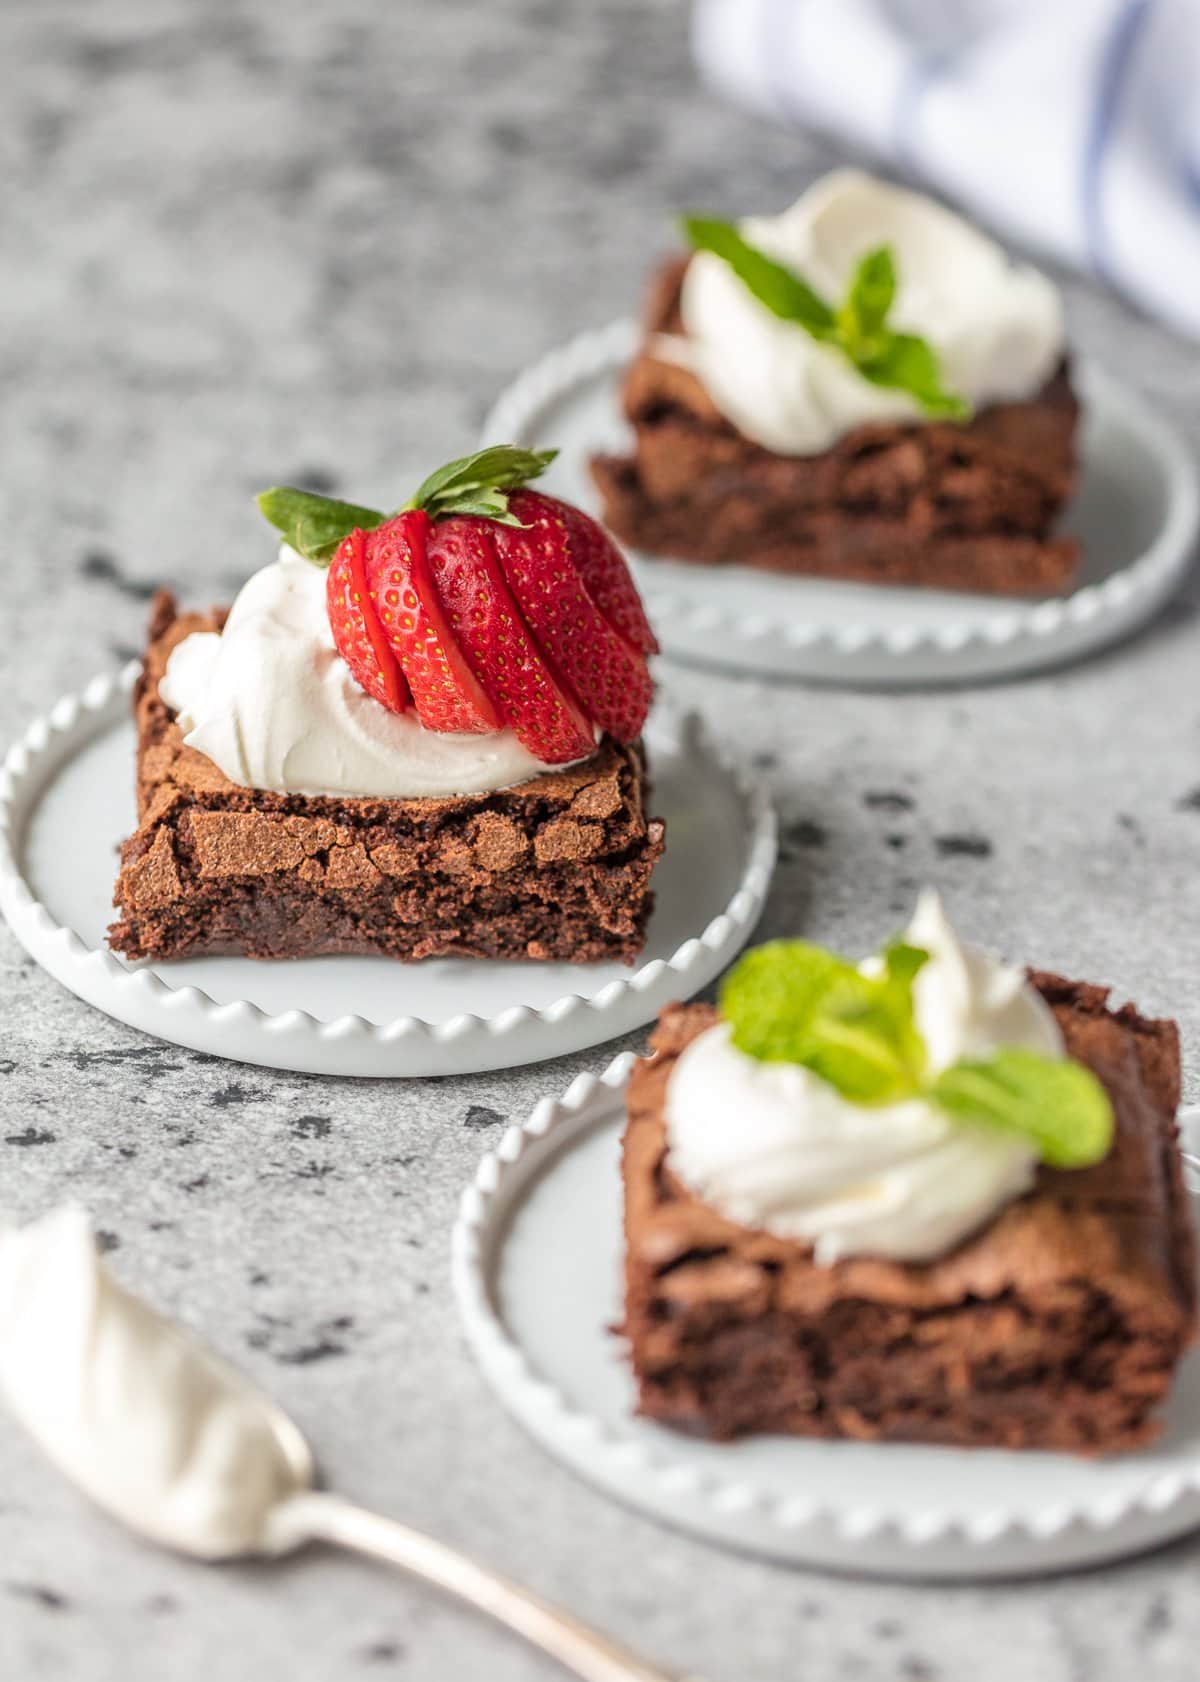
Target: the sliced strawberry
pixel 605 671
pixel 488 625
pixel 482 603
pixel 600 564
pixel 356 630
pixel 447 693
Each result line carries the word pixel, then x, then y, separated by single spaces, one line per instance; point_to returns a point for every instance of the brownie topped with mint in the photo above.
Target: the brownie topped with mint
pixel 1055 1322
pixel 778 425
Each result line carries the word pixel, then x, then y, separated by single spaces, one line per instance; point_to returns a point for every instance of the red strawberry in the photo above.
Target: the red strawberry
pixel 356 631
pixel 447 693
pixel 482 603
pixel 540 565
pixel 489 626
pixel 601 566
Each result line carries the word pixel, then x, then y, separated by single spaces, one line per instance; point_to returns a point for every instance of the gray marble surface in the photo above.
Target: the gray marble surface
pixel 245 242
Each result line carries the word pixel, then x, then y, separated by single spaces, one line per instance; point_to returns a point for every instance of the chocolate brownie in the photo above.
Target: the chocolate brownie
pixel 1057 1326
pixel 957 506
pixel 557 867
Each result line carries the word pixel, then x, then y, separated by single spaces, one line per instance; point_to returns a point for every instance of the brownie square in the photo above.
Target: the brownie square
pixel 1057 1326
pixel 558 867
pixel 956 506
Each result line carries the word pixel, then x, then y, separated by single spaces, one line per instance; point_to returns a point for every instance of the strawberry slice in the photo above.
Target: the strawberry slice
pixel 489 627
pixel 447 693
pixel 356 631
pixel 600 565
pixel 606 672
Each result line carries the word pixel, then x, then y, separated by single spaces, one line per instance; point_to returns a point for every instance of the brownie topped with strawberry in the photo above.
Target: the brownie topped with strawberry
pixel 413 734
pixel 482 604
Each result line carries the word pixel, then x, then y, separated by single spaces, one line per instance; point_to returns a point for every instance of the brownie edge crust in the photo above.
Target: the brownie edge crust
pixel 556 868
pixel 1058 1326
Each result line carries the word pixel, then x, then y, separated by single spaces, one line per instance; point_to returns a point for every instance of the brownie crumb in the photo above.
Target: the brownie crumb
pixel 103 567
pixel 51 1599
pixel 479 1115
pixel 382 1652
pixel 888 800
pixel 805 833
pixel 963 846
pixel 312 1127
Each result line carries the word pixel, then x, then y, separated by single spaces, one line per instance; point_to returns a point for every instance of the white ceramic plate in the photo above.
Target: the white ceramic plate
pixel 1137 511
pixel 66 802
pixel 537 1269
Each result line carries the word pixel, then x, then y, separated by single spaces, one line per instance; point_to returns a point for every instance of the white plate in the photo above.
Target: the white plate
pixel 66 802
pixel 537 1270
pixel 1137 512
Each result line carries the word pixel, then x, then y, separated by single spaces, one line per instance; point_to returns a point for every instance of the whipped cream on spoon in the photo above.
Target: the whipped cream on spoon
pixel 186 1452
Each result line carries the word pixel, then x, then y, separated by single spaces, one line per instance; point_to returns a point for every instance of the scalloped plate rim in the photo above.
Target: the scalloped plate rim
pixel 1126 598
pixel 75 718
pixel 921 1543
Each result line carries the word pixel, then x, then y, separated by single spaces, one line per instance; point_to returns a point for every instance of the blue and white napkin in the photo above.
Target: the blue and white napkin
pixel 1072 126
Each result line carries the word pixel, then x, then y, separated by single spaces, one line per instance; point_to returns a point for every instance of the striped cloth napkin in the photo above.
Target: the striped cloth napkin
pixel 1072 126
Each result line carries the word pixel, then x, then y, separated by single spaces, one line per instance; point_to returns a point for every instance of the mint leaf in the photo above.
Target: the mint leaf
pixel 771 996
pixel 1060 1107
pixel 315 525
pixel 871 294
pixel 772 283
pixel 901 962
pixel 858 328
pixel 476 484
pixel 792 1002
pixel 904 362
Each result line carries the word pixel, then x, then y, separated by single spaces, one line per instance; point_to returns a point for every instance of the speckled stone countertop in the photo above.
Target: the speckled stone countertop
pixel 243 243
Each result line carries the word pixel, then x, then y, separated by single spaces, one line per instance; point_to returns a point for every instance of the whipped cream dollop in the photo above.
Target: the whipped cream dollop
pixel 996 325
pixel 147 1423
pixel 272 703
pixel 773 1146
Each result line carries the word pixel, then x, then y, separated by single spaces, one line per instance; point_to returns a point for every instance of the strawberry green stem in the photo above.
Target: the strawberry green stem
pixel 477 485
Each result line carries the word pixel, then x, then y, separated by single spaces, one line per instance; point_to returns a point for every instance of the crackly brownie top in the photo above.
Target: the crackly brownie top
pixel 1124 1221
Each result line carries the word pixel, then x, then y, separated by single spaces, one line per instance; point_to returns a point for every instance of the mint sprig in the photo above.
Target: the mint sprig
pixel 476 485
pixel 791 1002
pixel 857 327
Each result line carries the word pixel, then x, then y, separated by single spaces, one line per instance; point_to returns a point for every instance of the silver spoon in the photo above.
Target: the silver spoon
pixel 185 1451
pixel 314 1516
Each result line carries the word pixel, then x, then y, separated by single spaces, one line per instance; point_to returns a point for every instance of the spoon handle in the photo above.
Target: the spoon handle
pixel 591 1656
